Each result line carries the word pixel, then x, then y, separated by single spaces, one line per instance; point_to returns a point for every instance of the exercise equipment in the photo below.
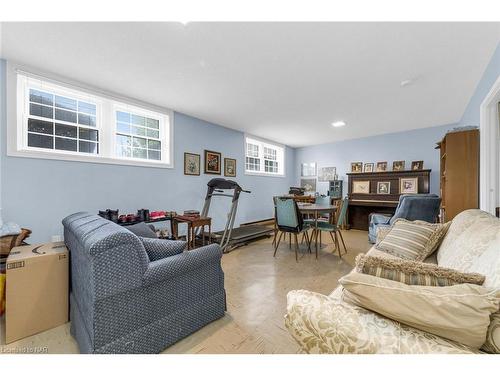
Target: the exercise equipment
pixel 230 237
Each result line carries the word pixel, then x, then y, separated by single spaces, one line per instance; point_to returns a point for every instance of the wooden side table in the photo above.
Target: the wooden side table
pixel 193 225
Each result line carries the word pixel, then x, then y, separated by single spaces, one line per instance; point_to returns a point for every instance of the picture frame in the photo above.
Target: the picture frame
pixel 327 174
pixel 192 164
pixel 212 162
pixel 417 165
pixel 229 167
pixel 408 185
pixel 381 166
pixel 308 184
pixel 361 187
pixel 368 167
pixel 383 187
pixel 356 167
pixel 398 165
pixel 308 169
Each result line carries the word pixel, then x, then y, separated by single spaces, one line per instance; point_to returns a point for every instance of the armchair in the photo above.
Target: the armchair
pixel 137 295
pixel 411 207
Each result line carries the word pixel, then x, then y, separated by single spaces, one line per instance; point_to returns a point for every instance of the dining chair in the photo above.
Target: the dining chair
pixel 321 200
pixel 333 228
pixel 289 220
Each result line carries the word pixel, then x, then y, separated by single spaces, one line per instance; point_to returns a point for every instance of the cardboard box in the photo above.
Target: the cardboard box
pixel 36 289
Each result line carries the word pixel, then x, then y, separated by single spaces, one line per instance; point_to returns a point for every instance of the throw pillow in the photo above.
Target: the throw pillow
pixel 142 230
pixel 413 240
pixel 414 273
pixel 460 312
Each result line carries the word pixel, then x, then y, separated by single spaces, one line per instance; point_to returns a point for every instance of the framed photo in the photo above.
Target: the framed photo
pixel 229 167
pixel 361 187
pixel 308 169
pixel 368 167
pixel 327 174
pixel 309 185
pixel 356 167
pixel 417 165
pixel 398 165
pixel 408 185
pixel 381 166
pixel 191 164
pixel 383 187
pixel 212 162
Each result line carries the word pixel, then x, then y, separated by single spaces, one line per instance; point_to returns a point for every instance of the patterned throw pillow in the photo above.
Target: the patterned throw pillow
pixel 414 273
pixel 413 240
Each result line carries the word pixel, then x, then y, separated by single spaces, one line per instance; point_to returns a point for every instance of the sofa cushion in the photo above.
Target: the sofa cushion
pixel 142 230
pixel 322 324
pixel 412 240
pixel 414 273
pixel 459 312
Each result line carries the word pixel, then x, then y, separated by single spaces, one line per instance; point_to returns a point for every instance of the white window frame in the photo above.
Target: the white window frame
pixel 19 81
pixel 280 156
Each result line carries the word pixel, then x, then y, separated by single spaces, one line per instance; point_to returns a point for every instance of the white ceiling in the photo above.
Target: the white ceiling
pixel 283 81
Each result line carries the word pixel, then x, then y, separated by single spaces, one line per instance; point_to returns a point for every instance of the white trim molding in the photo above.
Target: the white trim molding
pixel 489 172
pixel 20 80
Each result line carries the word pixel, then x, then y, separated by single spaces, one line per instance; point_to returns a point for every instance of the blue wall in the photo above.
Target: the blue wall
pixel 38 193
pixel 471 113
pixel 410 145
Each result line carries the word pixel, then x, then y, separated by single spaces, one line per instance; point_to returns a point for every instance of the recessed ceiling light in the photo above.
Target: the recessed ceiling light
pixel 406 82
pixel 338 124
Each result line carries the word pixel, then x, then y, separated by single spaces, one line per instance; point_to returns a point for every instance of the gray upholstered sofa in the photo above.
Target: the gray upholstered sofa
pixel 137 295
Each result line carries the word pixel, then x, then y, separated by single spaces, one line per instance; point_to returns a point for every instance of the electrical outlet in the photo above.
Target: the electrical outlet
pixel 56 238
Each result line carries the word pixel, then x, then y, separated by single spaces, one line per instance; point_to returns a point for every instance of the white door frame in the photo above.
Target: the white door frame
pixel 489 172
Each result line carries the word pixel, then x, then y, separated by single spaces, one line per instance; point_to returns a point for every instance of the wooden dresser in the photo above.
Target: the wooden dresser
pixel 361 205
pixel 459 172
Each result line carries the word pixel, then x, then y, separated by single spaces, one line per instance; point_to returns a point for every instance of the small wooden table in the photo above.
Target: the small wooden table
pixel 193 225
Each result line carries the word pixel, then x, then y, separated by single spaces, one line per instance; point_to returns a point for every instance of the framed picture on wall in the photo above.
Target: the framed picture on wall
pixel 398 165
pixel 212 162
pixel 308 169
pixel 327 174
pixel 191 164
pixel 417 165
pixel 381 166
pixel 408 185
pixel 356 167
pixel 361 187
pixel 368 167
pixel 229 167
pixel 309 184
pixel 383 187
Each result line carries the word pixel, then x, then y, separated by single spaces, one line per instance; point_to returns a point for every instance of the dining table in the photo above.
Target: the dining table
pixel 316 210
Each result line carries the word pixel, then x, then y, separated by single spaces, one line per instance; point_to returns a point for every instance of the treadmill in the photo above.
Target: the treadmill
pixel 231 237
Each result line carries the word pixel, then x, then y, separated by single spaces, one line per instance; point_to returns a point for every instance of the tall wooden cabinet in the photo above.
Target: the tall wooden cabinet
pixel 459 172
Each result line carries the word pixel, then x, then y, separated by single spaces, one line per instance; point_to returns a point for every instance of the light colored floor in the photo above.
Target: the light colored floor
pixel 256 286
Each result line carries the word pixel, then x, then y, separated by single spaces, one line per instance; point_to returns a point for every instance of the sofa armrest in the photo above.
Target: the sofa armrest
pixel 170 267
pixel 375 219
pixel 322 324
pixel 158 249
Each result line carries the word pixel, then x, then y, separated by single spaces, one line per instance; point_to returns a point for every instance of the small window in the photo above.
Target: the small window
pixel 137 136
pixel 264 158
pixel 59 121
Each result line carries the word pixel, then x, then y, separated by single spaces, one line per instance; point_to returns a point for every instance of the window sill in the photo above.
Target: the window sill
pixel 86 159
pixel 263 174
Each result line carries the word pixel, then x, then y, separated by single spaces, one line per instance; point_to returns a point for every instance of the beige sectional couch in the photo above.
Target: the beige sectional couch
pixel 328 324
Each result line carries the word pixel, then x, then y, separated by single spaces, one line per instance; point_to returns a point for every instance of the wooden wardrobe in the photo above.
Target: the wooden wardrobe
pixel 459 172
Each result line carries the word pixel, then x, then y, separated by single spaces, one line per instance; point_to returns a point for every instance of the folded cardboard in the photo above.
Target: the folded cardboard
pixel 36 289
